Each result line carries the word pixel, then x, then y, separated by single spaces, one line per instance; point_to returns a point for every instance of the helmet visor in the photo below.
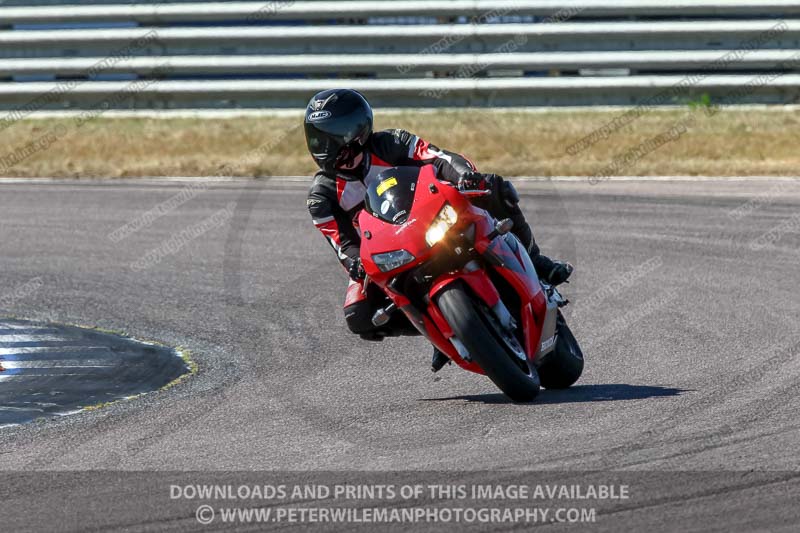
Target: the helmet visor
pixel 323 146
pixel 326 136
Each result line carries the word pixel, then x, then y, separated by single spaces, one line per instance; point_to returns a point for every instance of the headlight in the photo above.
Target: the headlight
pixel 445 220
pixel 390 260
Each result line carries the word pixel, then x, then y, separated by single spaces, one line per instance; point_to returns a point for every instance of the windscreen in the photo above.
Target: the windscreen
pixel 391 195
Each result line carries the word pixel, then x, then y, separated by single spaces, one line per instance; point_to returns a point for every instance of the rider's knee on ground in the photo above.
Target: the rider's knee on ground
pixel 358 317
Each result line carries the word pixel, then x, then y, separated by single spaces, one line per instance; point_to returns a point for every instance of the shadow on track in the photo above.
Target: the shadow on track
pixel 577 394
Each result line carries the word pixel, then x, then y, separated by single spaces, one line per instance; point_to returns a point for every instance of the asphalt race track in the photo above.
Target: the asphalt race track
pixel 693 359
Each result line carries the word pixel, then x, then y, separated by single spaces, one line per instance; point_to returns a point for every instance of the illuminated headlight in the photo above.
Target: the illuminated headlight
pixel 445 220
pixel 391 260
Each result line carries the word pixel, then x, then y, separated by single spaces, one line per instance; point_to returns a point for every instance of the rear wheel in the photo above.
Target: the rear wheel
pixel 496 351
pixel 564 365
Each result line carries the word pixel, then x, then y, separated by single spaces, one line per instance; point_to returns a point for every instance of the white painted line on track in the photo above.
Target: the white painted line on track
pixel 44 349
pixel 39 364
pixel 658 178
pixel 579 179
pixel 31 331
pixel 155 180
pixel 9 365
pixel 5 325
pixel 48 349
pixel 32 337
pixel 167 114
pixel 26 376
pixel 144 180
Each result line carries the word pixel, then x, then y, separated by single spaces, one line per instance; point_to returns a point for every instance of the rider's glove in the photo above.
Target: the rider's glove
pixel 356 270
pixel 475 181
pixel 560 272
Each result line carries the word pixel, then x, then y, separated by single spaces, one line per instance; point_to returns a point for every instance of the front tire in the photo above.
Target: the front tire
pixel 516 378
pixel 564 365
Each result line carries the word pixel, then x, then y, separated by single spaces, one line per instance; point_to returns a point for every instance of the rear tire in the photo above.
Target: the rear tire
pixel 564 365
pixel 486 348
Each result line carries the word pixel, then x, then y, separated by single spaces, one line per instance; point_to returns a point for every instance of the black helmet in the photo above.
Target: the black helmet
pixel 338 123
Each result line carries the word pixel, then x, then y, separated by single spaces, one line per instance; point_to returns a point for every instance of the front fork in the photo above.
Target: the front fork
pixel 547 343
pixel 539 311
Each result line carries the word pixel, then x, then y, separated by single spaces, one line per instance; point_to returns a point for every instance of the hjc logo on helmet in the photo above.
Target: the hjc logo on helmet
pixel 318 115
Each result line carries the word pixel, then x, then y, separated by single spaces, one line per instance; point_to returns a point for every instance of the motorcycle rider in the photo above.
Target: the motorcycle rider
pixel 339 136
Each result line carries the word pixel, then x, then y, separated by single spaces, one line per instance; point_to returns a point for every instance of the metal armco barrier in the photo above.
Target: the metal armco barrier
pixel 400 53
pixel 161 12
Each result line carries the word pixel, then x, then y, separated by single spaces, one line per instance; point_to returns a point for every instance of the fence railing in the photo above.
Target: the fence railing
pixel 161 12
pixel 399 65
pixel 423 40
pixel 277 53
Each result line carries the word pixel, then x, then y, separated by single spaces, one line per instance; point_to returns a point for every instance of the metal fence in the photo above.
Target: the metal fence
pixel 400 53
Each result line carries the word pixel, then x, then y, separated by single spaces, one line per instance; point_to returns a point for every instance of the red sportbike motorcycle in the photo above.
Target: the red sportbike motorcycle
pixel 465 283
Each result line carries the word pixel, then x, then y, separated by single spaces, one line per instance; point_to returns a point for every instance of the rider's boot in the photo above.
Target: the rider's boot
pixel 553 272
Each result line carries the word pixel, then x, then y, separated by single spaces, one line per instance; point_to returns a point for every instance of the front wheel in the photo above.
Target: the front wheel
pixel 564 365
pixel 492 349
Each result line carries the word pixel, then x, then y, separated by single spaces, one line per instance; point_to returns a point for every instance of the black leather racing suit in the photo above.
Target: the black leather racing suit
pixel 334 202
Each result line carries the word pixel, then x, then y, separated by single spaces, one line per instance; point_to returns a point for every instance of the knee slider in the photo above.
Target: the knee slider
pixel 357 318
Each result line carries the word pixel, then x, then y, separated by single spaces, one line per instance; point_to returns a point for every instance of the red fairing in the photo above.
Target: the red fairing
pixel 429 197
pixel 520 273
pixel 478 281
pixel 409 236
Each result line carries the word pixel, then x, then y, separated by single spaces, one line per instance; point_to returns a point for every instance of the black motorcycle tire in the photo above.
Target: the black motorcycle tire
pixel 563 366
pixel 476 331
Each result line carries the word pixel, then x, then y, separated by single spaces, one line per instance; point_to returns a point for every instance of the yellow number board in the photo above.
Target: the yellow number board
pixel 385 185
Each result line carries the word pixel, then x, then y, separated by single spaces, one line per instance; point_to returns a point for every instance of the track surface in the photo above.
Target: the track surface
pixel 693 366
